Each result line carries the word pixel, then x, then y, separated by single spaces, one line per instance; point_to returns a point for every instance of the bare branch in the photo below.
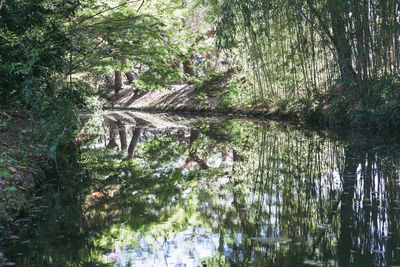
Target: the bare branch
pixel 140 6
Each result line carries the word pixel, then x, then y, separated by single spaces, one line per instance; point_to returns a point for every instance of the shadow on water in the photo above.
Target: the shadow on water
pixel 219 193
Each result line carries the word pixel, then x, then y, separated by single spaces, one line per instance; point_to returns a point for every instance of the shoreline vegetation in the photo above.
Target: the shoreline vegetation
pixel 331 63
pixel 22 164
pixel 371 104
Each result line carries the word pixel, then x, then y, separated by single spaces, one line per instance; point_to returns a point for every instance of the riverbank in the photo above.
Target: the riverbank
pixel 370 104
pixel 21 163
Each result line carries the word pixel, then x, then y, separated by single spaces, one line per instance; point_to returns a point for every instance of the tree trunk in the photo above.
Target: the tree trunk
pixel 194 135
pixel 338 11
pixel 359 51
pixel 346 212
pixel 113 142
pixel 187 68
pixel 130 75
pixel 218 66
pixel 118 81
pixel 134 141
pixel 367 39
pixel 122 136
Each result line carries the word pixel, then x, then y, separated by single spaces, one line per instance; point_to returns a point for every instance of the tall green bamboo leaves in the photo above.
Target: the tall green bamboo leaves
pixel 297 47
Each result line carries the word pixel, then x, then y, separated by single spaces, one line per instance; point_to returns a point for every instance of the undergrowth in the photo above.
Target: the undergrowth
pixel 373 104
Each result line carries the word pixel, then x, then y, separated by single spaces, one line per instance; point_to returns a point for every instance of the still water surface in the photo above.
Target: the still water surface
pixel 153 191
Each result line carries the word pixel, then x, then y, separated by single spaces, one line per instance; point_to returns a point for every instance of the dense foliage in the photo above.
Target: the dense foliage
pixel 301 49
pixel 300 45
pixel 54 55
pixel 267 194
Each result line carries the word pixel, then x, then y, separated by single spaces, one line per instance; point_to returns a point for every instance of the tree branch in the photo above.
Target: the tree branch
pixel 105 10
pixel 140 6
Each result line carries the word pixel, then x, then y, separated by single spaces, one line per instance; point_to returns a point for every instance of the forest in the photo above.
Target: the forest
pixel 95 94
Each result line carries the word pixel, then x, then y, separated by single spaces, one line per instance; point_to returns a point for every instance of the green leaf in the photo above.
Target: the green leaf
pixel 5 174
pixel 11 188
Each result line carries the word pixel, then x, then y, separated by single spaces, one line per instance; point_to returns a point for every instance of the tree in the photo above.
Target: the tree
pixel 123 39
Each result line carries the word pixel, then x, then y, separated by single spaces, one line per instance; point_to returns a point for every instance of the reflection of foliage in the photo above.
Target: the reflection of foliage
pixel 283 197
pixel 279 192
pixel 101 162
pixel 278 182
pixel 163 150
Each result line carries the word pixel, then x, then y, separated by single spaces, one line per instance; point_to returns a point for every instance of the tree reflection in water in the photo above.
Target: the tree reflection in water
pixel 226 192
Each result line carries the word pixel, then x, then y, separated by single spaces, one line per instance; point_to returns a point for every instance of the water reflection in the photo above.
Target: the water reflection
pixel 219 193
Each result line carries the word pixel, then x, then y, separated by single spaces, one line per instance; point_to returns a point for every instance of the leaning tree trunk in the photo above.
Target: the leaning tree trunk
pixel 134 141
pixel 130 76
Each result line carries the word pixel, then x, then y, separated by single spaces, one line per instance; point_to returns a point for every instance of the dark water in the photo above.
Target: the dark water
pixel 218 192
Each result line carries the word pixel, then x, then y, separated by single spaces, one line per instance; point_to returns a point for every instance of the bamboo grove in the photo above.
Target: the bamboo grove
pixel 296 48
